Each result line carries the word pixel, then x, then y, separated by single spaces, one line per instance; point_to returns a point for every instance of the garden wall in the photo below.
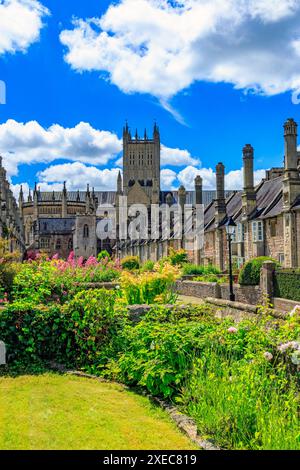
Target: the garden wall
pixel 245 294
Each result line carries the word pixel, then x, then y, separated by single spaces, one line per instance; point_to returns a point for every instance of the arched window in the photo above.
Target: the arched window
pixel 131 183
pixel 58 244
pixel 149 183
pixel 86 231
pixel 70 244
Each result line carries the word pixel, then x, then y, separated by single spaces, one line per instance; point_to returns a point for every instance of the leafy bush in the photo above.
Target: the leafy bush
pixel 32 333
pixel 103 255
pixel 130 263
pixel 250 272
pixel 150 288
pixel 179 257
pixel 287 284
pixel 92 321
pixel 198 270
pixel 148 266
pixel 212 278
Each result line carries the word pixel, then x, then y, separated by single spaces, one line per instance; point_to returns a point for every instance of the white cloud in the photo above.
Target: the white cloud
pixel 28 143
pixel 177 157
pixel 77 176
pixel 233 179
pixel 20 24
pixel 161 47
pixel 167 179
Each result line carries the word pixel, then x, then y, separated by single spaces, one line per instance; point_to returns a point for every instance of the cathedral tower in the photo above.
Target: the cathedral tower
pixel 141 164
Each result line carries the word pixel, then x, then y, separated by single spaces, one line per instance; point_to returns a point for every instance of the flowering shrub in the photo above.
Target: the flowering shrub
pixel 178 257
pixel 150 287
pixel 56 279
pixel 130 263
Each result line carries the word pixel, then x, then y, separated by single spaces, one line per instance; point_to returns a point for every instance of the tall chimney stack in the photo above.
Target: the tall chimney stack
pixel 249 194
pixel 198 190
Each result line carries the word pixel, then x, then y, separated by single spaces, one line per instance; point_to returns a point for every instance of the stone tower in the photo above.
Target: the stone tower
pixel 141 165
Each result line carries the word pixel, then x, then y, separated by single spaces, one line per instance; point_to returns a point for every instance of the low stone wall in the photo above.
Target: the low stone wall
pixel 251 295
pixel 284 305
pixel 198 289
pixel 97 285
pixel 245 294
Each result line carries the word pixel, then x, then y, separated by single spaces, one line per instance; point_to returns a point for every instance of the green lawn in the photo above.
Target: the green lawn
pixel 67 412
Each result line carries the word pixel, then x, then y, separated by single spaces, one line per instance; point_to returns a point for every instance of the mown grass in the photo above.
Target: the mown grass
pixel 59 412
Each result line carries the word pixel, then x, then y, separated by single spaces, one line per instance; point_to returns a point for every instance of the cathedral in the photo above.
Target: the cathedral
pixel 60 222
pixel 267 214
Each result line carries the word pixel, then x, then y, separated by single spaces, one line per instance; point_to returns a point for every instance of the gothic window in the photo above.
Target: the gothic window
pixel 149 183
pixel 131 183
pixel 58 244
pixel 86 231
pixel 142 182
pixel 70 244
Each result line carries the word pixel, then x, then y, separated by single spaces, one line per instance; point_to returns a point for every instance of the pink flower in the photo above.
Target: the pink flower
pixel 56 256
pixel 268 356
pixel 232 330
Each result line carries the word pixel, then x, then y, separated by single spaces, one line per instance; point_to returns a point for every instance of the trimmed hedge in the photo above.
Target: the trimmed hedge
pixel 287 285
pixel 250 272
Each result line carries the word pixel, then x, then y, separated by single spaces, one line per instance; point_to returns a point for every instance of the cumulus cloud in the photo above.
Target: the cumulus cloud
pixel 161 47
pixel 77 176
pixel 28 143
pixel 20 24
pixel 186 177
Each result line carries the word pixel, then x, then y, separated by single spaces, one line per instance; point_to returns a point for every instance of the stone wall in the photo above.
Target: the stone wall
pixel 284 305
pixel 198 289
pixel 245 294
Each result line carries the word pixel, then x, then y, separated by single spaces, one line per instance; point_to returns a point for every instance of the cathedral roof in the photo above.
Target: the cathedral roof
pixel 56 226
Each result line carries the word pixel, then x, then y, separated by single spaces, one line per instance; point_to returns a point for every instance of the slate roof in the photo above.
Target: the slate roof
pixel 56 226
pixel 269 203
pixel 109 197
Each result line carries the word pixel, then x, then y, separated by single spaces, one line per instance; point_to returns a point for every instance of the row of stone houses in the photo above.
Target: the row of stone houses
pixel 267 216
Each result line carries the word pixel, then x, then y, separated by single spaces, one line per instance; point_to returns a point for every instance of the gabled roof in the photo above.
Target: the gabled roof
pixel 269 203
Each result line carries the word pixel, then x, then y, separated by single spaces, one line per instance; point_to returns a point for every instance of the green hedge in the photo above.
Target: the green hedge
pixel 250 272
pixel 287 285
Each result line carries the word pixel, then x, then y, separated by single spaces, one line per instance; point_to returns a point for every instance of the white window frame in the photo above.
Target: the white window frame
pixel 257 231
pixel 240 233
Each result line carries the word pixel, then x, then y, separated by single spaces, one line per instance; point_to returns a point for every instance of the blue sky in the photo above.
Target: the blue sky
pixel 209 95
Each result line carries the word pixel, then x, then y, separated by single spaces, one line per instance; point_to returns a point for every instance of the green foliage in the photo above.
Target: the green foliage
pixel 148 266
pixel 250 272
pixel 212 278
pixel 130 263
pixel 32 333
pixel 103 255
pixel 287 284
pixel 150 287
pixel 92 320
pixel 198 270
pixel 178 258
